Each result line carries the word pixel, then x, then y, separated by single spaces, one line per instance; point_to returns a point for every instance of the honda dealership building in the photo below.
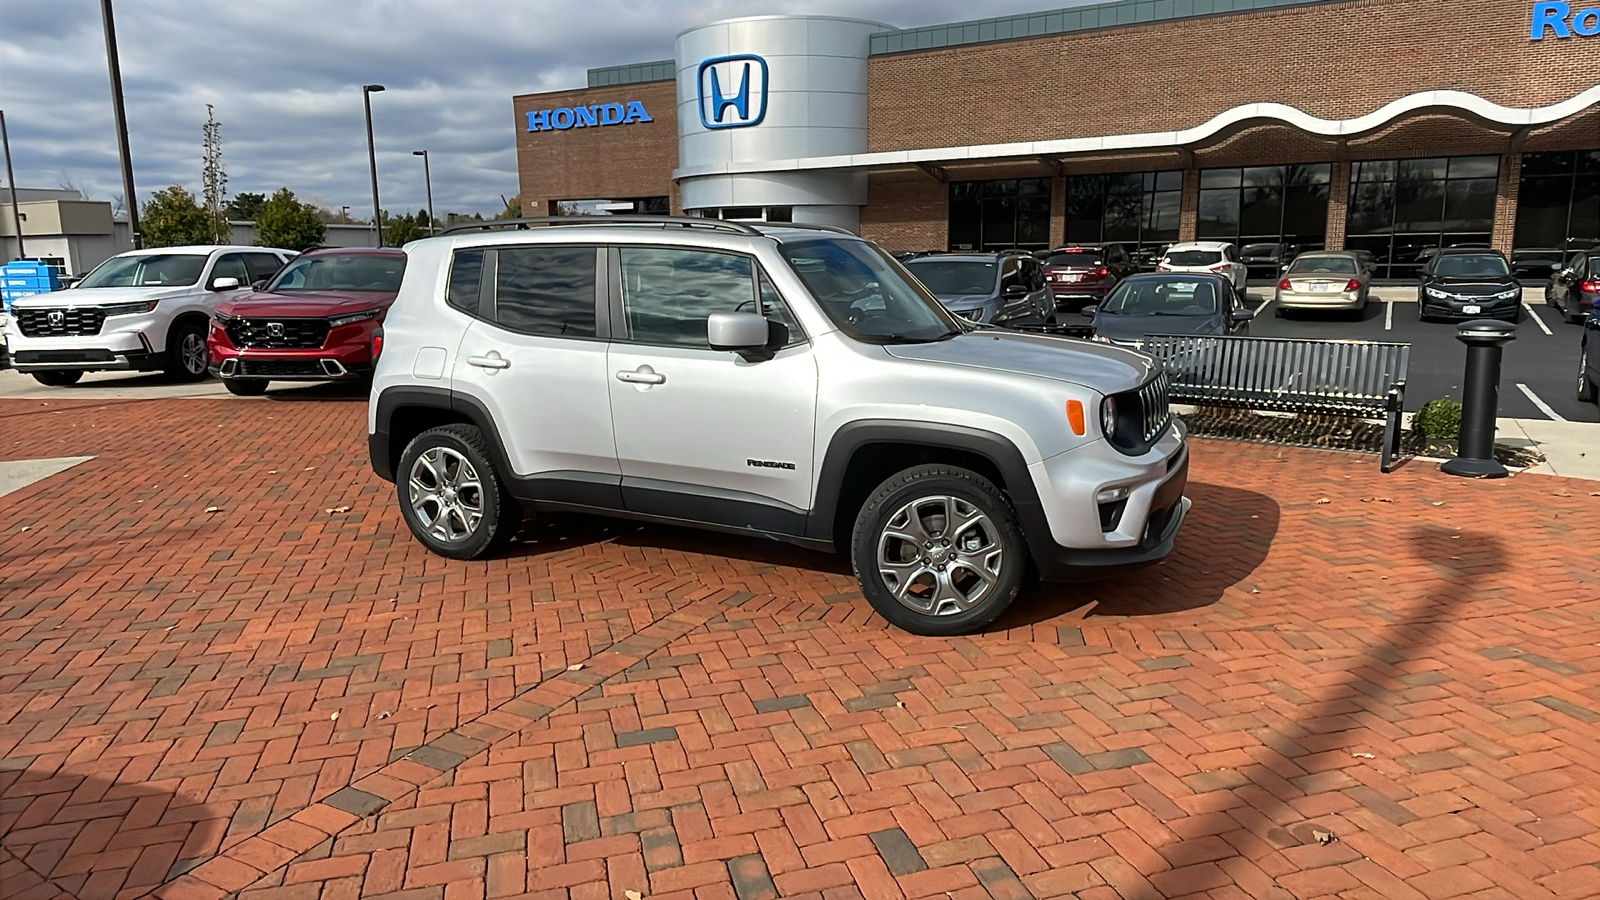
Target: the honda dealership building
pixel 1385 125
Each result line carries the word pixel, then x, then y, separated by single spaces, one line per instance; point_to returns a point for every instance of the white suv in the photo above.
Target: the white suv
pixel 144 310
pixel 782 381
pixel 1214 257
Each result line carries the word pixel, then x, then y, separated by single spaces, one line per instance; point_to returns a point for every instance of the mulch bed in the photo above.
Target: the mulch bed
pixel 1329 432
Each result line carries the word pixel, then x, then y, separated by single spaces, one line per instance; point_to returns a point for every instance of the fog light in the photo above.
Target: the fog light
pixel 1111 495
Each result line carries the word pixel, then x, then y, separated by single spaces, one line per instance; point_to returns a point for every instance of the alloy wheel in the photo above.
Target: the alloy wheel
pixel 446 495
pixel 940 555
pixel 193 353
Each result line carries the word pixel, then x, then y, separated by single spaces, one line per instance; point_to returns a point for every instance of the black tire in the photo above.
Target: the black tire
pixel 1279 312
pixel 182 363
pixel 246 387
pixel 499 514
pixel 1588 392
pixel 57 377
pixel 994 533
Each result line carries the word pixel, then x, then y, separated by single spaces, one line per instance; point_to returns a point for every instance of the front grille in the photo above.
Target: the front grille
pixel 1143 415
pixel 59 322
pixel 281 368
pixel 277 334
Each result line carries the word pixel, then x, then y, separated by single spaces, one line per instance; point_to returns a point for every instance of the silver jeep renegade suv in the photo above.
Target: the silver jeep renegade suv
pixel 785 382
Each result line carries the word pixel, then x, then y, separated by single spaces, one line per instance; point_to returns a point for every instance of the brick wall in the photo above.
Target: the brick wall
pixel 906 211
pixel 633 160
pixel 1335 60
pixel 1505 201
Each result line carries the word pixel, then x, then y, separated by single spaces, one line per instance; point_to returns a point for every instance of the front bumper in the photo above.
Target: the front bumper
pixel 345 355
pixel 1456 307
pixel 1085 538
pixel 126 349
pixel 1320 299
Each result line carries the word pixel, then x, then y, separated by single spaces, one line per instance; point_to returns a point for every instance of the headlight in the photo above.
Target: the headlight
pixel 222 317
pixel 1435 292
pixel 353 318
pixel 1509 295
pixel 1101 339
pixel 1108 416
pixel 124 309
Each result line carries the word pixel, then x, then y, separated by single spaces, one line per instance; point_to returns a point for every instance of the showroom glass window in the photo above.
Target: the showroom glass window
pixel 1266 205
pixel 1558 203
pixel 1403 210
pixel 999 215
pixel 1138 210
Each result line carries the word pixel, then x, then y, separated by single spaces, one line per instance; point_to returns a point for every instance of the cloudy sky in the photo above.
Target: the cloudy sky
pixel 285 78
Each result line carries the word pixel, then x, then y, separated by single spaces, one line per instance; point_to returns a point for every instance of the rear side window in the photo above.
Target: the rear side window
pixel 466 273
pixel 546 290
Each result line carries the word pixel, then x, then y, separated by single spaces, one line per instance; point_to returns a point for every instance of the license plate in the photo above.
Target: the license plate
pixel 1320 285
pixel 1472 309
pixel 1070 277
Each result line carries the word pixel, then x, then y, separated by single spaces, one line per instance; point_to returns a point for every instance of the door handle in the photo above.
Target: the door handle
pixel 642 375
pixel 493 361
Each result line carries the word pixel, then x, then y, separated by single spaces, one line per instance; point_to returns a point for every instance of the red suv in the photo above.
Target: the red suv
pixel 318 320
pixel 1084 273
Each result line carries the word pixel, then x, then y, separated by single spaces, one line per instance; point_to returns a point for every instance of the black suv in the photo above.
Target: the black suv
pixel 1468 283
pixel 1082 274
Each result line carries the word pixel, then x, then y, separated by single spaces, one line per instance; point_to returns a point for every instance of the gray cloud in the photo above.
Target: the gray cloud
pixel 285 77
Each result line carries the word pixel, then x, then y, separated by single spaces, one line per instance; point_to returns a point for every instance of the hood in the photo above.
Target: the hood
pixel 963 301
pixel 306 304
pixel 1097 367
pixel 81 297
pixel 1128 328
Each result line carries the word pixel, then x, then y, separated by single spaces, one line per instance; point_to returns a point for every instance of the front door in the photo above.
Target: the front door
pixel 707 435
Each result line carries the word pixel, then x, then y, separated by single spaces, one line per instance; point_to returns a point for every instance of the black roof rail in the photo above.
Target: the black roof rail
pixel 622 220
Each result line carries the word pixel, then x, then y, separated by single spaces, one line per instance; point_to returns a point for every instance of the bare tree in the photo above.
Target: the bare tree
pixel 214 178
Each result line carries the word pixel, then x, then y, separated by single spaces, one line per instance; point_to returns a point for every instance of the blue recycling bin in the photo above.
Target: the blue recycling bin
pixel 25 278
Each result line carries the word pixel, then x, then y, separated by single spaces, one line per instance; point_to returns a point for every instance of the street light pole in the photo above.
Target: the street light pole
pixel 427 178
pixel 129 199
pixel 367 90
pixel 16 211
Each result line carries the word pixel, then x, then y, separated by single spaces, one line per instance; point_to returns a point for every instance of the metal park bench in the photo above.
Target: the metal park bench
pixel 1357 379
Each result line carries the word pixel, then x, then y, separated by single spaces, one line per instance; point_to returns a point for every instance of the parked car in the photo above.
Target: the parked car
pixel 1146 258
pixel 776 381
pixel 1533 264
pixel 1576 287
pixel 1327 279
pixel 1168 303
pixel 1265 260
pixel 1428 253
pixel 1463 283
pixel 1368 260
pixel 1589 359
pixel 319 320
pixel 1215 257
pixel 988 288
pixel 1082 273
pixel 143 310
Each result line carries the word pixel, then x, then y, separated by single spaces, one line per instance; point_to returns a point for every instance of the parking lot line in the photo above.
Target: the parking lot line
pixel 1388 315
pixel 1535 317
pixel 1260 309
pixel 1543 406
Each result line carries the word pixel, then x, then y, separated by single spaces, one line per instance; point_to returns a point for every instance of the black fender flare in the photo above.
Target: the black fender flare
pixel 383 455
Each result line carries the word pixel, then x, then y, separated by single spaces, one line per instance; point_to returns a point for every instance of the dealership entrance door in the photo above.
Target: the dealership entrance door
pixel 999 215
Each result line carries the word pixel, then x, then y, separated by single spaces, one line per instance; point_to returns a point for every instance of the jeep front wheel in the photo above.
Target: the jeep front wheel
pixel 451 497
pixel 937 550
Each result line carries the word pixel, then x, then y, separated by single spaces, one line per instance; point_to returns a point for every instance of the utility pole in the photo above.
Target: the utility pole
pixel 367 90
pixel 427 178
pixel 16 212
pixel 121 116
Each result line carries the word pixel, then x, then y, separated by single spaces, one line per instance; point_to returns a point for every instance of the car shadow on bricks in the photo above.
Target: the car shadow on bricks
pixel 543 533
pixel 1225 538
pixel 74 829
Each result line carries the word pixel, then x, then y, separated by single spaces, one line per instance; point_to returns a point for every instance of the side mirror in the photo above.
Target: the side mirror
pixel 259 283
pixel 1089 311
pixel 1241 315
pixel 225 283
pixel 1016 290
pixel 744 333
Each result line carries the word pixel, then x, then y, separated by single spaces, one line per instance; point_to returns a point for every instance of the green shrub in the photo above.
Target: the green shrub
pixel 1439 419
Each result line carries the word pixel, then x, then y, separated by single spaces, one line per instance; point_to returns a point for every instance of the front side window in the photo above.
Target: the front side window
pixel 866 294
pixel 546 290
pixel 147 270
pixel 231 266
pixel 668 293
pixel 341 272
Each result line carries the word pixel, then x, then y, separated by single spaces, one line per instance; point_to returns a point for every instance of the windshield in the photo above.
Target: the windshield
pixel 867 294
pixel 1471 265
pixel 1162 297
pixel 947 277
pixel 341 272
pixel 1076 259
pixel 1194 258
pixel 146 270
pixel 1323 265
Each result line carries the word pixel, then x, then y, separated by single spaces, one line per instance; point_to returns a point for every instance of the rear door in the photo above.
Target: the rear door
pixel 535 361
pixel 701 434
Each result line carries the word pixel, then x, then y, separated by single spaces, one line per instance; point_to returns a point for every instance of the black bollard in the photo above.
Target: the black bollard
pixel 1480 399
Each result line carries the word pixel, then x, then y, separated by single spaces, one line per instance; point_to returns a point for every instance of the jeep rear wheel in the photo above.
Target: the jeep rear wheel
pixel 450 495
pixel 937 550
pixel 58 377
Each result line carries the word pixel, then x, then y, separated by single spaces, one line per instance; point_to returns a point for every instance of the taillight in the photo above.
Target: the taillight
pixel 1221 267
pixel 1101 272
pixel 1284 285
pixel 1352 285
pixel 1163 267
pixel 1590 287
pixel 377 344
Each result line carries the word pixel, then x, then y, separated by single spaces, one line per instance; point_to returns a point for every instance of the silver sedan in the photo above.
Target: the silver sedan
pixel 1326 279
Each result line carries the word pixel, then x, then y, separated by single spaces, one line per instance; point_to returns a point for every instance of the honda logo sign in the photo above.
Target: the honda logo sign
pixel 733 91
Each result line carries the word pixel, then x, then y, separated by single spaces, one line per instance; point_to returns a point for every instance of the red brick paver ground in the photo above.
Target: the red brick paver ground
pixel 291 702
